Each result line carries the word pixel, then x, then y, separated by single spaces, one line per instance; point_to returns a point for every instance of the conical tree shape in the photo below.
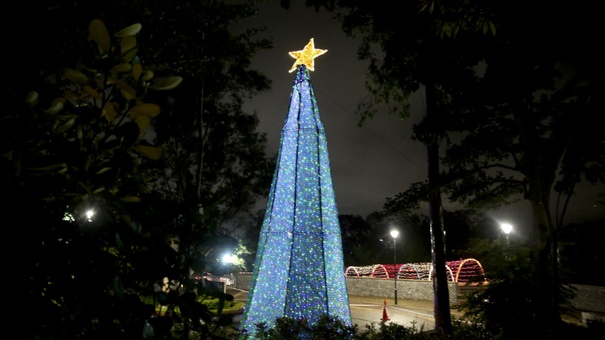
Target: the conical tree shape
pixel 299 269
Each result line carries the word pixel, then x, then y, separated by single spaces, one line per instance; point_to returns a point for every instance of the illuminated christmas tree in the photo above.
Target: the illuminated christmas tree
pixel 299 270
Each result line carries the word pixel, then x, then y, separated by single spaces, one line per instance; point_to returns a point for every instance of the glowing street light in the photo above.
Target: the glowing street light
pixel 229 258
pixel 394 234
pixel 507 228
pixel 89 214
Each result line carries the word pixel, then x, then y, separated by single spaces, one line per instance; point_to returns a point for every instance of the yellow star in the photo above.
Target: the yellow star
pixel 306 56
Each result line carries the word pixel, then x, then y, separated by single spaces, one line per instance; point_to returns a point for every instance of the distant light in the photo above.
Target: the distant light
pixel 229 258
pixel 68 217
pixel 89 214
pixel 394 233
pixel 506 228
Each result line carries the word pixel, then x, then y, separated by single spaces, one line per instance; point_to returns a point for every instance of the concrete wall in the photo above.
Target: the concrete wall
pixel 406 289
pixel 590 299
pixel 383 288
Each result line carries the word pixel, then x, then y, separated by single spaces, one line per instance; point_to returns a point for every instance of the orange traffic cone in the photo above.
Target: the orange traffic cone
pixel 385 316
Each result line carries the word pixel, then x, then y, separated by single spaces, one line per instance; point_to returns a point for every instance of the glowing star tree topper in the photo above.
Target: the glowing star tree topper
pixel 306 56
pixel 299 269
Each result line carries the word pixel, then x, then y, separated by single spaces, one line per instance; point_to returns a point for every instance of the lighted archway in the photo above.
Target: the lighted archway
pixel 408 272
pixel 380 271
pixel 351 271
pixel 448 270
pixel 359 271
pixel 468 269
pixel 456 271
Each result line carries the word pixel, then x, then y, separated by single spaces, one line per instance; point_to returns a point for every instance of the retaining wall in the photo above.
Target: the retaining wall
pixel 588 298
pixel 376 287
pixel 406 289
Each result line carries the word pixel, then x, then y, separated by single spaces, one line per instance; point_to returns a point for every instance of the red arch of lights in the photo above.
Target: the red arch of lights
pixel 381 271
pixel 457 271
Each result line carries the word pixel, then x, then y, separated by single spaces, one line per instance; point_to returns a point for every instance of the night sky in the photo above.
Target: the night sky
pixel 369 163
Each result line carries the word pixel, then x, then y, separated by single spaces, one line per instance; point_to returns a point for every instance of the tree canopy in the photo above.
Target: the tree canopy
pixel 123 154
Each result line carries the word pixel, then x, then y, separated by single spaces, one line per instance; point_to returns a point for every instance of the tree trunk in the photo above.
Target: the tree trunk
pixel 542 236
pixel 544 263
pixel 441 309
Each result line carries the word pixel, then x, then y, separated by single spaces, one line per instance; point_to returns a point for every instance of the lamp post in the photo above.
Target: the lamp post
pixel 229 260
pixel 394 234
pixel 506 229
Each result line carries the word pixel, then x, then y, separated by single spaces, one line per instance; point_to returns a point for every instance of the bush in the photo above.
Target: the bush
pixel 326 328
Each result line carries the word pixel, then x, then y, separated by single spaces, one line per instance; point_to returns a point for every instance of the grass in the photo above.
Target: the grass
pixel 229 307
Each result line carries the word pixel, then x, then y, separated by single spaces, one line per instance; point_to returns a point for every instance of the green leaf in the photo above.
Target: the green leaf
pixel 109 112
pixel 99 34
pixel 166 83
pixel 137 70
pixel 50 167
pixel 142 121
pixel 130 199
pixel 129 31
pixel 99 190
pixel 127 91
pixel 118 287
pixel 32 98
pixel 119 242
pixel 149 110
pixel 151 152
pixel 70 122
pixel 56 106
pixel 147 75
pixel 121 68
pixel 128 44
pixel 76 76
pixel 92 92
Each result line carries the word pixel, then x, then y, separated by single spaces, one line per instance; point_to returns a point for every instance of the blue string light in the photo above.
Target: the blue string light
pixel 298 270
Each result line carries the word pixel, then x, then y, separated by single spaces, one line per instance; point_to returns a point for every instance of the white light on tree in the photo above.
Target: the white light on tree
pixel 299 259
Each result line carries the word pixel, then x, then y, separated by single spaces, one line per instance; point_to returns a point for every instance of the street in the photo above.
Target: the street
pixel 363 314
pixel 368 310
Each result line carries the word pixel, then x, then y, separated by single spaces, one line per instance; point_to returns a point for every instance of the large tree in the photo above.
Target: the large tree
pixel 218 158
pixel 531 132
pixel 215 167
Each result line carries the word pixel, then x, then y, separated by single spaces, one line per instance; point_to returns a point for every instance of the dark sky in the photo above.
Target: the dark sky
pixel 369 163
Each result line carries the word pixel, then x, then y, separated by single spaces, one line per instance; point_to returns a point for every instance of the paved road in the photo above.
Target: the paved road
pixel 369 310
pixel 363 314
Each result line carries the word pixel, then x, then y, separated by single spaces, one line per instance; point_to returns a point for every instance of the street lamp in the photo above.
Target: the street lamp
pixel 394 234
pixel 506 229
pixel 229 260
